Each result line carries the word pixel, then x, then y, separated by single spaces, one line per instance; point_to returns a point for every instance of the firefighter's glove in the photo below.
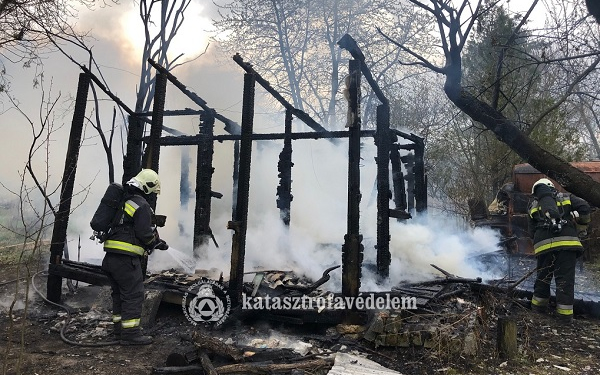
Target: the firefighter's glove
pixel 161 245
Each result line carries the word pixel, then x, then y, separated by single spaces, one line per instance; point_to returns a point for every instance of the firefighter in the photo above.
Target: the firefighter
pixel 554 219
pixel 129 241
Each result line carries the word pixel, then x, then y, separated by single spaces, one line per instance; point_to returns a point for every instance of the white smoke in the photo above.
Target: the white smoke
pixel 314 240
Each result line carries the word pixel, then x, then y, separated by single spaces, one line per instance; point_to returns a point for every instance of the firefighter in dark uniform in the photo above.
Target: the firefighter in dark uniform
pixel 126 245
pixel 554 219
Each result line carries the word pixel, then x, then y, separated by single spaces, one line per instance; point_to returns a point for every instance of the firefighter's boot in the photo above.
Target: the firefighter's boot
pixel 133 336
pixel 116 332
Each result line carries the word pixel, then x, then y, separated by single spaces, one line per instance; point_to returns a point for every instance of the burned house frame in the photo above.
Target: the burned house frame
pixel 408 190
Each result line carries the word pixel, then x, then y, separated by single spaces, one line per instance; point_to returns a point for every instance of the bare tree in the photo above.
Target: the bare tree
pixel 33 217
pixel 294 45
pixel 455 24
pixel 26 28
pixel 167 17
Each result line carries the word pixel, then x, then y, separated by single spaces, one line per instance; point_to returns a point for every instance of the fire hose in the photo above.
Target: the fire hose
pixel 68 320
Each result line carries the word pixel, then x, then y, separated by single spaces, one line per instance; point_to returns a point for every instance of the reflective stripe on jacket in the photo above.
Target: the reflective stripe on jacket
pixel 543 237
pixel 135 232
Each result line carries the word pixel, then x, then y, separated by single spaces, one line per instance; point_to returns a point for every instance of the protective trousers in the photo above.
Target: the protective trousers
pixel 560 265
pixel 127 283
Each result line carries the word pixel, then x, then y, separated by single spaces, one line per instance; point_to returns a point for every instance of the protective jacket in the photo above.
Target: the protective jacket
pixel 135 232
pixel 554 218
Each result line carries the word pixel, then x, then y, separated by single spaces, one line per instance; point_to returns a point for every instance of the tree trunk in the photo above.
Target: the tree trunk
pixel 569 177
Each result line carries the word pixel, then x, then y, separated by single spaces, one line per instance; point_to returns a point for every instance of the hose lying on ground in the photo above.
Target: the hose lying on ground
pixel 68 320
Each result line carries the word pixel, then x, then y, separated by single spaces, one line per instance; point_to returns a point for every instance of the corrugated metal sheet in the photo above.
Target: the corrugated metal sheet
pixel 524 175
pixel 349 364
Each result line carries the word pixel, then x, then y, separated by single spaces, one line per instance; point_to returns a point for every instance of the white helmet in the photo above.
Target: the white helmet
pixel 147 181
pixel 542 181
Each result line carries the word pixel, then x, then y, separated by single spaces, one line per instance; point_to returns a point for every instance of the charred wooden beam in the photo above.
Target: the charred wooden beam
pixel 352 250
pixel 399 214
pixel 239 222
pixel 212 344
pixel 207 365
pixel 398 179
pixel 448 280
pixel 194 139
pixel 132 162
pixel 235 178
pixel 250 368
pixel 174 112
pixel 272 368
pixel 230 126
pixel 410 136
pixel 108 92
pixel 420 177
pixel 90 276
pixel 409 162
pixel 284 166
pixel 61 219
pixel 151 156
pixel 406 147
pixel 204 172
pixel 382 140
pixel 350 45
pixel 303 116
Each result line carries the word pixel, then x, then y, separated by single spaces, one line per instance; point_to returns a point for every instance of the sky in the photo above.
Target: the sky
pixel 319 173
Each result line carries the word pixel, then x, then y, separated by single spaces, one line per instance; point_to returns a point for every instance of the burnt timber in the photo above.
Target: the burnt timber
pixel 386 140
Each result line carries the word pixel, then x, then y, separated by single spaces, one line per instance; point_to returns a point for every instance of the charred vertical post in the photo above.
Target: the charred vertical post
pixel 239 223
pixel 352 250
pixel 132 162
pixel 202 231
pixel 152 154
pixel 409 163
pixel 420 178
pixel 184 188
pixel 398 178
pixel 382 140
pixel 61 220
pixel 284 166
pixel 235 178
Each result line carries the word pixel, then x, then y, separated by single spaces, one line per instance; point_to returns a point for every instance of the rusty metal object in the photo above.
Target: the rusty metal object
pixel 513 221
pixel 312 287
pixel 524 175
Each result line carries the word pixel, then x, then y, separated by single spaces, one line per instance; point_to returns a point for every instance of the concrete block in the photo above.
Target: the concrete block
pixel 403 340
pixel 152 301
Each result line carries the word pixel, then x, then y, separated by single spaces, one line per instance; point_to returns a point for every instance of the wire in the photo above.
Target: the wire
pixel 68 320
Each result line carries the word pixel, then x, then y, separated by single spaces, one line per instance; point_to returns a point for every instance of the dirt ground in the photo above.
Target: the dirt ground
pixel 32 344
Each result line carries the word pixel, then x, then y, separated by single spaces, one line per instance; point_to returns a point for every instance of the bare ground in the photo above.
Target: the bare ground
pixel 32 344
